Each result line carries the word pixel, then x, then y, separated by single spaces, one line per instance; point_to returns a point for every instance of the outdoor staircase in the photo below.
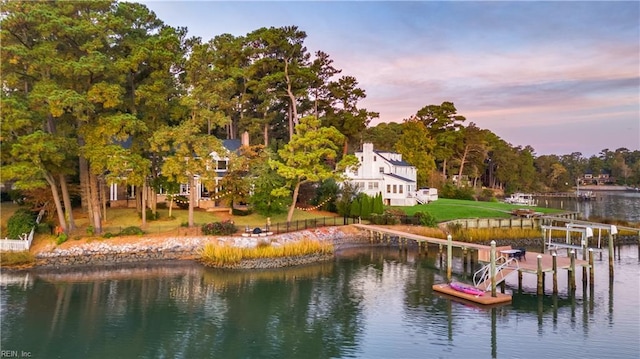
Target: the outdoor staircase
pixel 504 267
pixel 419 198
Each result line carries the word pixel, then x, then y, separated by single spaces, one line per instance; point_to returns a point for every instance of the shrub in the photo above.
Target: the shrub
pixel 91 230
pixel 62 237
pixel 449 190
pixel 130 231
pixel 181 201
pixel 486 195
pixel 426 219
pixel 219 228
pixel 108 235
pixel 20 222
pixel 387 218
pixel 240 212
pixel 44 228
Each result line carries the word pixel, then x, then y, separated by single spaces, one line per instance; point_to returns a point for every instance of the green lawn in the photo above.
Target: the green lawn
pixel 118 218
pixel 448 209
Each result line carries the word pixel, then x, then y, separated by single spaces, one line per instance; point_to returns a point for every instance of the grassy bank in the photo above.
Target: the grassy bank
pixel 216 255
pixel 445 209
pixel 16 259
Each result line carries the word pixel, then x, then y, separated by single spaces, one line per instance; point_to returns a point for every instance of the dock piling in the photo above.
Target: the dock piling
pixel 540 274
pixel 465 256
pixel 554 264
pixel 611 255
pixel 572 272
pixel 591 269
pixel 449 257
pixel 492 259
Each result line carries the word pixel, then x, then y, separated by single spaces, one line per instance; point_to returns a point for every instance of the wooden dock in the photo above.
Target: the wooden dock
pixel 533 262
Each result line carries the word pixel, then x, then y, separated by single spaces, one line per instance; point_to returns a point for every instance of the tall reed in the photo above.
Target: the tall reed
pixel 216 255
pixel 488 234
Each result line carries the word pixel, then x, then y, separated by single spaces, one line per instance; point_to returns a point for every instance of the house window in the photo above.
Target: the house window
pixel 381 169
pixel 400 188
pixel 395 188
pixel 221 165
pixel 373 185
pixel 374 158
pixel 388 188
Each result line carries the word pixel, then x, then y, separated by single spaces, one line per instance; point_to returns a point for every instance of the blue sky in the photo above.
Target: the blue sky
pixel 561 77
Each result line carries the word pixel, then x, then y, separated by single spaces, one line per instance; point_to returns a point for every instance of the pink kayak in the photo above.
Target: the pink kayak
pixel 464 288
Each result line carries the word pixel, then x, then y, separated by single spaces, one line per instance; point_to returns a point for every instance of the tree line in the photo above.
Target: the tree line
pixel 105 92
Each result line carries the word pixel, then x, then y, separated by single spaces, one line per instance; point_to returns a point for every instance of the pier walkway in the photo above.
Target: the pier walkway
pixel 529 266
pixel 533 262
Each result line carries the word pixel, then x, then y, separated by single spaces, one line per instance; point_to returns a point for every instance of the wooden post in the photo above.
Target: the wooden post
pixel 591 269
pixel 519 281
pixel 492 274
pixel 611 254
pixel 440 254
pixel 464 259
pixel 449 257
pixel 554 257
pixel 572 272
pixel 540 290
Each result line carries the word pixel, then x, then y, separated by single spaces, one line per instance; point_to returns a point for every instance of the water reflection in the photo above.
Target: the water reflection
pixel 368 303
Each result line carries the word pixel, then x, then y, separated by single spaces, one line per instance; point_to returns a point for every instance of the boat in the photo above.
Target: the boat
pixel 525 199
pixel 464 288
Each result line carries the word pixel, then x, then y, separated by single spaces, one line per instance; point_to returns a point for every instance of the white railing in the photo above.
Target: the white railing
pixel 483 275
pixel 22 244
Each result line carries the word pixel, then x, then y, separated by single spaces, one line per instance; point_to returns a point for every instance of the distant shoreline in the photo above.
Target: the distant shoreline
pixel 604 188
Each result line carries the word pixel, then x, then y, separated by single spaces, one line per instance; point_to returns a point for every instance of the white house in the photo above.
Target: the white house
pixel 386 173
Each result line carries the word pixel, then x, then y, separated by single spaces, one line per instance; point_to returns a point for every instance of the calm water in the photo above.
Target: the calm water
pixel 368 303
pixel 608 204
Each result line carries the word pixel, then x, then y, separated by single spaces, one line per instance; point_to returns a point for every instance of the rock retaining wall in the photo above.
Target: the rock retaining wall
pixel 106 252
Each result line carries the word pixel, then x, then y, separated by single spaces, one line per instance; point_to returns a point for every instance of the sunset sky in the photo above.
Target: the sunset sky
pixel 561 77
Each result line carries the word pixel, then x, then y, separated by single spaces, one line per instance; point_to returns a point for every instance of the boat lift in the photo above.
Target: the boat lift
pixel 585 230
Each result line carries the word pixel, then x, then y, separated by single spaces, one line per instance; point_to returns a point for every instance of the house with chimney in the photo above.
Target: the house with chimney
pixel 387 173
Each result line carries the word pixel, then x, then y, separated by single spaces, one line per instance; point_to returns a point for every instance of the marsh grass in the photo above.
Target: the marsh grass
pixel 13 259
pixel 488 234
pixel 216 255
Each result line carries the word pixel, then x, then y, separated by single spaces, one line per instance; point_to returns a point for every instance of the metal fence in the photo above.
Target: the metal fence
pixel 299 225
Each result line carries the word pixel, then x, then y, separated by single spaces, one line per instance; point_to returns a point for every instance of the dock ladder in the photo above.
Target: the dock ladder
pixel 504 267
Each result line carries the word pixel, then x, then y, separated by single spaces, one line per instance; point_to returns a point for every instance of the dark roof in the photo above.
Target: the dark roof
pixel 398 177
pixel 232 145
pixel 393 162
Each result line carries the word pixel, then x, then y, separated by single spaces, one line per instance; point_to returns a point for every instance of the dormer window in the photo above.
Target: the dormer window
pixel 221 165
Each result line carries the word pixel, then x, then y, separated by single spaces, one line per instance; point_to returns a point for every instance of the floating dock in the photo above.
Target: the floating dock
pixel 485 299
